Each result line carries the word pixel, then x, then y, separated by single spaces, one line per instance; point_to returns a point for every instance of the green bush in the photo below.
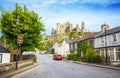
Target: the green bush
pixel 70 56
pixel 89 54
pixel 73 56
pixel 52 51
pixel 96 58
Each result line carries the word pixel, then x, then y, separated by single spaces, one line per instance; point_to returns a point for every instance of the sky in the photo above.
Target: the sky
pixel 94 13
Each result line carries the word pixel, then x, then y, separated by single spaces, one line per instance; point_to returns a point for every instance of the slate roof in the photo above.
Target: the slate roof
pixel 111 31
pixel 4 50
pixel 99 34
pixel 88 37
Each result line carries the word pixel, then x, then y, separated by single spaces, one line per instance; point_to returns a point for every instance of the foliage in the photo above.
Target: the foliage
pixel 82 46
pixel 60 41
pixel 73 56
pixel 53 51
pixel 89 54
pixel 96 58
pixel 72 35
pixel 29 27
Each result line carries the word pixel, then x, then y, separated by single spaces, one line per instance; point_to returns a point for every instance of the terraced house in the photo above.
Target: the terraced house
pixel 108 44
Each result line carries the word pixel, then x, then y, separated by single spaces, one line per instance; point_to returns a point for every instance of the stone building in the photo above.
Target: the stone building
pixel 67 27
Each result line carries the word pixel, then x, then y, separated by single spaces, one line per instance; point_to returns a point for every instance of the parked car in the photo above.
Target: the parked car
pixel 57 57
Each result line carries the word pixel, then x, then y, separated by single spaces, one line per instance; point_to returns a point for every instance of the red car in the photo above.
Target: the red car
pixel 57 57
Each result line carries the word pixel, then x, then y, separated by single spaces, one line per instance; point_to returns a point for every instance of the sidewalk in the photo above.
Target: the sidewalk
pixel 95 65
pixel 13 72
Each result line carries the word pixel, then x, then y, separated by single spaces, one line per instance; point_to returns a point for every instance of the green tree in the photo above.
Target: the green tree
pixel 29 27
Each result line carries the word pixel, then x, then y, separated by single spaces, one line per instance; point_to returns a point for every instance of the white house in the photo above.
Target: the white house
pixel 108 43
pixel 62 48
pixel 4 55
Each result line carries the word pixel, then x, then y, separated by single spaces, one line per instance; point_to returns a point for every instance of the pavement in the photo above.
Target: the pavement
pixel 14 72
pixel 95 65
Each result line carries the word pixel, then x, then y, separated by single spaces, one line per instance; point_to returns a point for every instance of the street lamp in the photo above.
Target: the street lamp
pixel 17 23
pixel 106 48
pixel 19 42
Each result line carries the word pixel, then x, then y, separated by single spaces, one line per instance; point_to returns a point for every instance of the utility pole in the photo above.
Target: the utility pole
pixel 17 23
pixel 106 48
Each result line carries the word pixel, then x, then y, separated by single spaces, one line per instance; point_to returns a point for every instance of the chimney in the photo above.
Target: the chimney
pixel 104 27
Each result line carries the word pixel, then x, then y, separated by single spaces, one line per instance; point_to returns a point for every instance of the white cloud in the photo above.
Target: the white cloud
pixel 49 2
pixel 93 20
pixel 102 2
pixel 68 1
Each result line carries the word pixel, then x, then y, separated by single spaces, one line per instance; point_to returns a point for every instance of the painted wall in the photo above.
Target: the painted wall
pixel 62 48
pixel 5 57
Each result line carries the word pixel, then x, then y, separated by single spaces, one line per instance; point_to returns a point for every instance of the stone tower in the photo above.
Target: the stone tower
pixel 83 28
pixel 77 28
pixel 58 28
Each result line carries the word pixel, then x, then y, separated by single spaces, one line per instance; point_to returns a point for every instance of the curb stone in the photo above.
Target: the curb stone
pixel 95 65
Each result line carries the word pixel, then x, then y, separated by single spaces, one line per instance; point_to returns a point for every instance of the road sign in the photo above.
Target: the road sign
pixel 19 40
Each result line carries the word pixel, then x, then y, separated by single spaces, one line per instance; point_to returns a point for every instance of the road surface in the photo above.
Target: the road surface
pixel 50 68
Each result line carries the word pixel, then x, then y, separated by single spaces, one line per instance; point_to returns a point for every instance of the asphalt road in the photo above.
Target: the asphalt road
pixel 50 68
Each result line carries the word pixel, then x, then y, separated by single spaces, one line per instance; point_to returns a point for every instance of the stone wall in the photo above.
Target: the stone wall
pixel 11 66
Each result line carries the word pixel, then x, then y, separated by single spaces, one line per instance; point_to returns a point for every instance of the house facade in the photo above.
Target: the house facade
pixel 62 48
pixel 108 44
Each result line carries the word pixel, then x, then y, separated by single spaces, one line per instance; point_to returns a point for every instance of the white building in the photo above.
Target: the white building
pixel 108 43
pixel 62 48
pixel 4 55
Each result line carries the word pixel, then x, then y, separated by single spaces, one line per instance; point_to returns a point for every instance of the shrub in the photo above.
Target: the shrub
pixel 89 54
pixel 73 56
pixel 52 51
pixel 96 58
pixel 70 56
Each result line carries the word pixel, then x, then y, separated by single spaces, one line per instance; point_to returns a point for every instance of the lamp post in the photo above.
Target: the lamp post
pixel 17 23
pixel 19 42
pixel 106 48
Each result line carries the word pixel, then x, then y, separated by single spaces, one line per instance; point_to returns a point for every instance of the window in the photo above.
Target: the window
pixel 102 40
pixel 119 36
pixel 75 45
pixel 112 54
pixel 102 53
pixel 0 58
pixel 72 46
pixel 118 53
pixel 114 37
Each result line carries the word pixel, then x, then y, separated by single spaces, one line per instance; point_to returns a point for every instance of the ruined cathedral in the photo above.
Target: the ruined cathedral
pixel 66 28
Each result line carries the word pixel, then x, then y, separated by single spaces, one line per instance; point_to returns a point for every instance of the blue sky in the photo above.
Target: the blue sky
pixel 92 12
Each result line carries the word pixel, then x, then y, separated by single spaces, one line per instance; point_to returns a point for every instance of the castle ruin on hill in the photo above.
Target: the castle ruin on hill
pixel 66 28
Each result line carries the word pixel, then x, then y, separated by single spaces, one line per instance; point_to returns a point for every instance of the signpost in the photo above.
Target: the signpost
pixel 19 42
